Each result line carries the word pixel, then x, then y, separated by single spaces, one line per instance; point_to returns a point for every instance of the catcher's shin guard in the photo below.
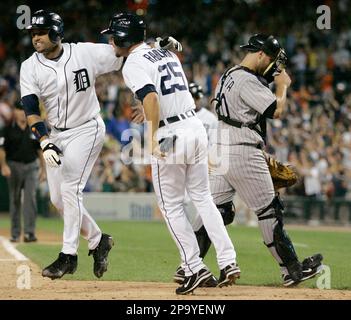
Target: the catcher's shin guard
pixel 277 240
pixel 203 241
pixel 227 211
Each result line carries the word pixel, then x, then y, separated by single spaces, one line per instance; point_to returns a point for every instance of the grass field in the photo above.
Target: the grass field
pixel 144 251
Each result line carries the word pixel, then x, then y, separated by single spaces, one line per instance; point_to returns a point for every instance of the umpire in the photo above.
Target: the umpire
pixel 244 102
pixel 19 153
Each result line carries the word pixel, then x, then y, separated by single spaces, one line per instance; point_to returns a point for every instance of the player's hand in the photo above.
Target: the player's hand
pixel 282 79
pixel 5 170
pixel 168 43
pixel 138 115
pixel 51 153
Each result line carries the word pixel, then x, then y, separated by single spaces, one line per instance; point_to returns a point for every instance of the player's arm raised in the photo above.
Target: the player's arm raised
pixel 282 82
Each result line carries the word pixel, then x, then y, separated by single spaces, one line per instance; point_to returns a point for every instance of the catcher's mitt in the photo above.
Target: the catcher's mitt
pixel 283 176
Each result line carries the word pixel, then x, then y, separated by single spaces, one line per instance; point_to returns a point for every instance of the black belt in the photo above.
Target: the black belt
pixel 178 117
pixel 258 145
pixel 61 129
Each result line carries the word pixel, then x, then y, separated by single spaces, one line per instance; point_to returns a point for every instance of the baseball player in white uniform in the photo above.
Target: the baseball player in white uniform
pixel 63 75
pixel 157 79
pixel 243 102
pixel 210 122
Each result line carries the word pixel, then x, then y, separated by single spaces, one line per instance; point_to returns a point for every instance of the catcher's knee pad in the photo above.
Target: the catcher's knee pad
pixel 203 241
pixel 227 211
pixel 281 241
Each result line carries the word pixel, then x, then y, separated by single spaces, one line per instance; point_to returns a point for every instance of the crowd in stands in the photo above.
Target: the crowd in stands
pixel 314 133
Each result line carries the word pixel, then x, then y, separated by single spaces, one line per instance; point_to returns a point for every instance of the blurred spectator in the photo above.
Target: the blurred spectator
pixel 19 153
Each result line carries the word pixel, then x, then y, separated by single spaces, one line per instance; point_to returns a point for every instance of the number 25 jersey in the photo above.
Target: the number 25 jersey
pixel 158 70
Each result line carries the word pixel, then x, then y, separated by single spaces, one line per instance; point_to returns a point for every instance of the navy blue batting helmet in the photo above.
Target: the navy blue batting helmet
pixel 126 29
pixel 51 21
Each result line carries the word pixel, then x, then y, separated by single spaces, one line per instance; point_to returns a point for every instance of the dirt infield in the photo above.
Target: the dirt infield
pixel 46 289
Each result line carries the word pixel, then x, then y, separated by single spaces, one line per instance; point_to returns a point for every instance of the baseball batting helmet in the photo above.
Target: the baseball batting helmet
pixel 126 29
pixel 51 21
pixel 196 90
pixel 270 46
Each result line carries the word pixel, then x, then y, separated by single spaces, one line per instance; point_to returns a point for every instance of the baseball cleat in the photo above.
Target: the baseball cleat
pixel 65 263
pixel 211 282
pixel 229 275
pixel 100 254
pixel 311 266
pixel 179 278
pixel 179 275
pixel 194 281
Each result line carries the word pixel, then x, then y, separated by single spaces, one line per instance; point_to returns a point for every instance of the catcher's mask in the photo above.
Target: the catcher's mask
pixel 270 46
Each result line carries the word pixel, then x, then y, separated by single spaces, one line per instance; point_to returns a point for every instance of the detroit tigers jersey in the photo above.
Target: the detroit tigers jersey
pixel 168 78
pixel 245 99
pixel 67 86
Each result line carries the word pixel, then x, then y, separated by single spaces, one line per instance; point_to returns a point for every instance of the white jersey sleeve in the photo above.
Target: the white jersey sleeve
pixel 256 95
pixel 135 76
pixel 28 82
pixel 104 56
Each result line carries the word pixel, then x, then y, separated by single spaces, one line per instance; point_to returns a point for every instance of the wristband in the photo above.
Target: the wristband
pixel 39 130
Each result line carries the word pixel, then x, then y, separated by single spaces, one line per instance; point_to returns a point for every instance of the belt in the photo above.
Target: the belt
pixel 178 117
pixel 61 129
pixel 258 145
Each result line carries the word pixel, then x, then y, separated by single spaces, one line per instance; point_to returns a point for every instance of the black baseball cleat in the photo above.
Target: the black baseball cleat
pixel 211 282
pixel 65 263
pixel 179 275
pixel 194 281
pixel 229 275
pixel 311 266
pixel 14 239
pixel 100 254
pixel 30 237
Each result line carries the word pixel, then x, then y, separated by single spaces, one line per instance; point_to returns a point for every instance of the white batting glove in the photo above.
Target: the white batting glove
pixel 168 43
pixel 51 153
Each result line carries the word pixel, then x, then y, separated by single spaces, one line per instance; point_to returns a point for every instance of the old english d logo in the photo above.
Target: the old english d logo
pixel 81 80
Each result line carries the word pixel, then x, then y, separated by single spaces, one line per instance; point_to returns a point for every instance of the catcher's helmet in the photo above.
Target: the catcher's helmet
pixel 51 21
pixel 270 46
pixel 126 29
pixel 196 90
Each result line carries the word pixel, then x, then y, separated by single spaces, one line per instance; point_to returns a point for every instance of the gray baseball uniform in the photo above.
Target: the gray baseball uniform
pixel 245 98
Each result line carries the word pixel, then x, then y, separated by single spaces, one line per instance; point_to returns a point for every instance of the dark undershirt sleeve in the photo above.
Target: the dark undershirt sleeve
pixel 141 93
pixel 269 113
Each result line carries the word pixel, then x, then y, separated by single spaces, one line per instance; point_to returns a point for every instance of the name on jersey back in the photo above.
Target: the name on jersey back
pixel 155 55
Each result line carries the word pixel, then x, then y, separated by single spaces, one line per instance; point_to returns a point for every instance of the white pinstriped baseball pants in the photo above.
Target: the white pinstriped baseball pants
pixel 81 147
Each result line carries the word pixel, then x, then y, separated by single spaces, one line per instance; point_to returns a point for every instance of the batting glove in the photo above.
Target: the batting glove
pixel 51 153
pixel 168 43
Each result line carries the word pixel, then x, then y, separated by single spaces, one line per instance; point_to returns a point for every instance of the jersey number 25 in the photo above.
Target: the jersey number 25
pixel 172 79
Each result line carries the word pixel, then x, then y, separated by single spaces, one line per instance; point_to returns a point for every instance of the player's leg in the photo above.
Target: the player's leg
pixel 81 149
pixel 15 188
pixel 197 184
pixel 29 202
pixel 249 175
pixel 89 229
pixel 169 181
